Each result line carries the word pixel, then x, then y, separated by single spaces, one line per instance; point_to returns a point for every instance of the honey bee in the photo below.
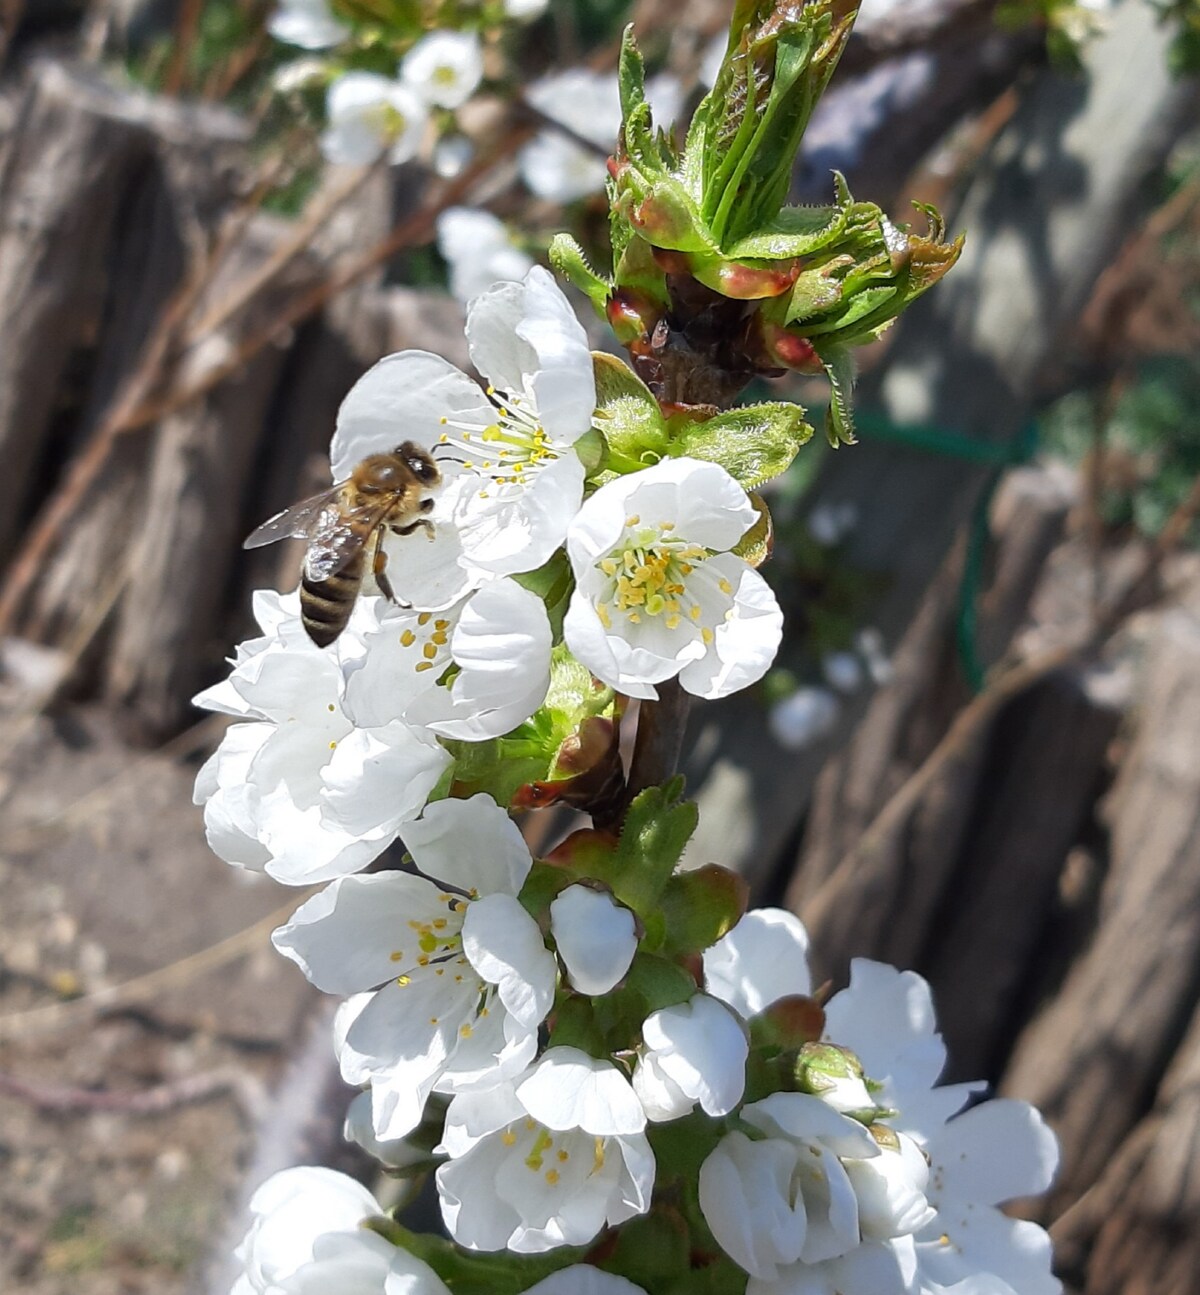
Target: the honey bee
pixel 346 524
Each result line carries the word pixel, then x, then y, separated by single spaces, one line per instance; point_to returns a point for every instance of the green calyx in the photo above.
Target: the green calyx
pixel 753 443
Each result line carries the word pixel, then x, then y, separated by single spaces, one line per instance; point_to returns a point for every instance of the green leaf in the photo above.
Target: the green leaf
pixel 631 74
pixel 753 443
pixel 796 231
pixel 627 416
pixel 569 260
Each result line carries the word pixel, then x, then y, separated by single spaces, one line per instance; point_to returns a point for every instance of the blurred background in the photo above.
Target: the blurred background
pixel 978 755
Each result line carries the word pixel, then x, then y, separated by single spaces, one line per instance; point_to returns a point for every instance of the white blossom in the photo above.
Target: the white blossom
pixel 870 643
pixel 993 1152
pixel 358 1127
pixel 886 1018
pixel 546 1160
pixel 804 717
pixel 478 250
pixel 842 670
pixel 786 1198
pixel 522 10
pixel 311 24
pixel 498 639
pixel 990 1154
pixel 596 937
pixel 658 595
pixel 462 977
pixel 299 790
pixel 444 68
pixel 694 1052
pixel 873 1268
pixel 512 478
pixel 764 958
pixel 308 1222
pixel 588 103
pixel 370 115
pixel 583 1279
pixel 299 74
pixel 452 154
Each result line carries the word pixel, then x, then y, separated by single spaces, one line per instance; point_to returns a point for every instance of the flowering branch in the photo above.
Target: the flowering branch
pixel 622 1080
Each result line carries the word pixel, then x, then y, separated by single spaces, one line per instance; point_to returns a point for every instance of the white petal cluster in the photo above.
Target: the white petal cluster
pixel 455 975
pixel 819 1202
pixel 544 1016
pixel 444 68
pixel 513 479
pixel 479 251
pixel 307 1237
pixel 657 592
pixel 275 792
pixel 311 24
pixel 369 115
pixel 547 1159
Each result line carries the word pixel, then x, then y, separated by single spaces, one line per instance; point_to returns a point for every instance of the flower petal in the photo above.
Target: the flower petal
pixel 506 948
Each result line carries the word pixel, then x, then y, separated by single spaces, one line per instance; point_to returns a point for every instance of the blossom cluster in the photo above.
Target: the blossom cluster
pixel 595 1039
pixel 862 1178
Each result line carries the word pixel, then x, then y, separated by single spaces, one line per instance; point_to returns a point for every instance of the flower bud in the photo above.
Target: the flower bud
pixel 833 1074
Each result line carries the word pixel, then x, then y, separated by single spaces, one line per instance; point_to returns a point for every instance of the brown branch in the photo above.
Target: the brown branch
pixel 183 43
pixel 660 730
pixel 149 1101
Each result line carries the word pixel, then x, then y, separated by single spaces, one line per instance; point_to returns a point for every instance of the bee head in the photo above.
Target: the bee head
pixel 420 463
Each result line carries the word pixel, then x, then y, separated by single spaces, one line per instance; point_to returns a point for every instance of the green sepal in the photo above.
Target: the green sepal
pixel 627 416
pixel 753 443
pixel 754 548
pixel 569 260
pixel 575 1025
pixel 502 765
pixel 553 583
pixel 652 1248
pixel 700 906
pixel 474 1272
pixel 658 825
pixel 839 418
pixel 658 983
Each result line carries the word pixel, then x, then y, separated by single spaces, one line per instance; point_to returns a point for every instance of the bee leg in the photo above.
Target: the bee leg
pixel 379 570
pixel 430 529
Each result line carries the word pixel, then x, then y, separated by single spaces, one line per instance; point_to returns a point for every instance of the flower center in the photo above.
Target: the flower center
pixel 507 451
pixel 648 576
pixel 387 119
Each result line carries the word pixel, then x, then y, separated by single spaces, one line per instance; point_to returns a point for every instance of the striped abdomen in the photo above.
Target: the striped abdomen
pixel 325 605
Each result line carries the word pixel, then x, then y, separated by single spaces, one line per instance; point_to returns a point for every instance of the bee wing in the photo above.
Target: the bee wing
pixel 339 535
pixel 300 521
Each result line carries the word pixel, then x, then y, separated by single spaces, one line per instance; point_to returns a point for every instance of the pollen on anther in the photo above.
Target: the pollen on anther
pixel 331 708
pixel 424 618
pixel 407 639
pixel 509 1138
pixel 423 665
pixel 333 746
pixel 552 1177
pixel 433 1020
pixel 397 955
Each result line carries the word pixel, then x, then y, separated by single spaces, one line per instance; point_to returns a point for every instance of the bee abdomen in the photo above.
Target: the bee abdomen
pixel 325 605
